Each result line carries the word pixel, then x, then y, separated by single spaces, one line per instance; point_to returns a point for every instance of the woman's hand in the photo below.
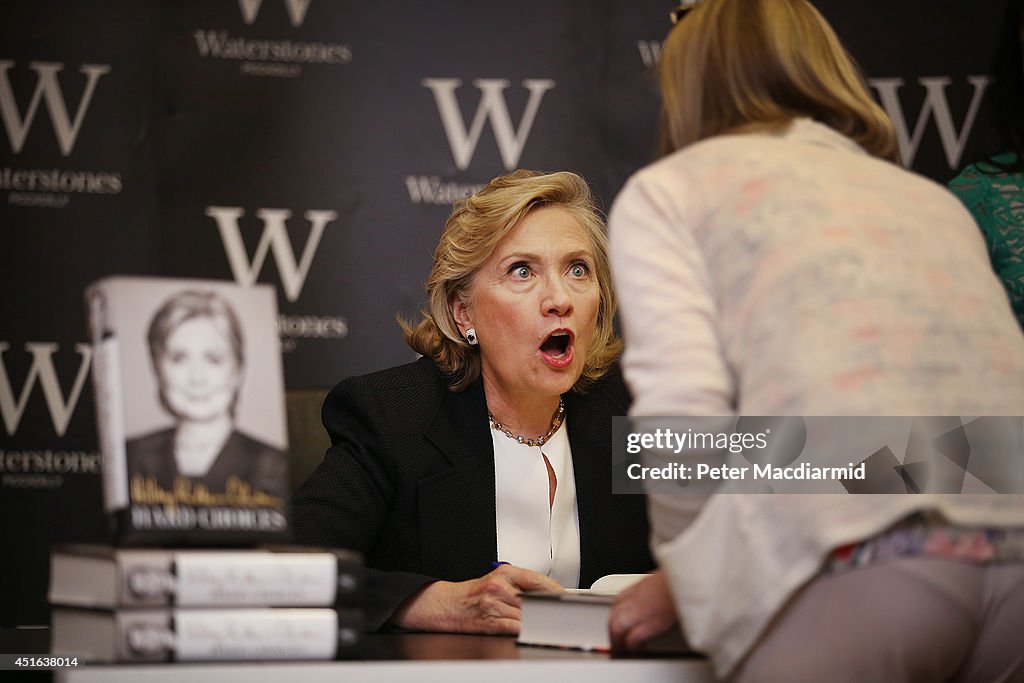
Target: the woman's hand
pixel 489 604
pixel 640 612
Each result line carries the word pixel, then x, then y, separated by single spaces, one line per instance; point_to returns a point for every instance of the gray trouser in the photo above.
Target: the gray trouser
pixel 914 619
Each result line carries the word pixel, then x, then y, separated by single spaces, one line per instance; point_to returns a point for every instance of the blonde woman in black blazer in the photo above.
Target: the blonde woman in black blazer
pixel 517 341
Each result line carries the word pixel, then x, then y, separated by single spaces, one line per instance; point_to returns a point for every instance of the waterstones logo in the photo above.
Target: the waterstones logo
pixel 296 10
pixel 43 372
pixel 274 239
pixel 650 52
pixel 46 469
pixel 492 107
pixel 463 140
pixel 50 187
pixel 433 190
pixel 281 58
pixel 47 90
pixel 43 468
pixel 935 107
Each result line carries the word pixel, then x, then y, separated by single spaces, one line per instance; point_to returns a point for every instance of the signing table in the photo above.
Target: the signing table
pixel 418 658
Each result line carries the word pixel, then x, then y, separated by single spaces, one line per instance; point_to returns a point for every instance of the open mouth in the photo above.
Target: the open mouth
pixel 556 344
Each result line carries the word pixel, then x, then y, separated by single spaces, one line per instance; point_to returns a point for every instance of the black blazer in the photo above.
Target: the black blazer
pixel 409 482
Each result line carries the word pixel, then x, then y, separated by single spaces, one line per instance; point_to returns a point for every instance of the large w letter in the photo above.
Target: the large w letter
pixel 42 369
pixel 296 10
pixel 935 103
pixel 275 236
pixel 46 87
pixel 492 106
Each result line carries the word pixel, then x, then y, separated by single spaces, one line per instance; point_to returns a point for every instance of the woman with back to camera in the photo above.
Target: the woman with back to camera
pixel 496 445
pixel 198 355
pixel 777 262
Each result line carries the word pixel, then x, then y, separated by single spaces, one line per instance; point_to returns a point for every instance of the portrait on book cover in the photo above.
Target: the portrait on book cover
pixel 203 394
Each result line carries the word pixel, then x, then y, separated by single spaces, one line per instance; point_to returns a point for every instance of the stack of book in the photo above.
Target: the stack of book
pixel 155 605
pixel 191 422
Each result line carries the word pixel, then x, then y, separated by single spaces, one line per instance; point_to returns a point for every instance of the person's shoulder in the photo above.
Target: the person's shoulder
pixel 148 454
pixel 907 182
pixel 662 184
pixel 418 378
pixel 720 156
pixel 255 447
pixel 665 169
pixel 158 441
pixel 419 372
pixel 733 148
pixel 984 174
pixel 263 466
pixel 1005 165
pixel 608 389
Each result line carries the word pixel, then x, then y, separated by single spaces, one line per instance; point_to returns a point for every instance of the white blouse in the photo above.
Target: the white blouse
pixel 531 533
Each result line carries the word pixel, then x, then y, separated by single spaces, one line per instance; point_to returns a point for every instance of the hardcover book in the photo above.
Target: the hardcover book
pixel 104 577
pixel 167 635
pixel 577 619
pixel 190 410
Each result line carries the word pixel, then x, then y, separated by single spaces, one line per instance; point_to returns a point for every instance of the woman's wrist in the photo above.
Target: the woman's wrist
pixel 422 611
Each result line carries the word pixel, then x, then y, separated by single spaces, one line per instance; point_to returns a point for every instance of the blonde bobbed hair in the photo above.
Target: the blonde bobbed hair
pixel 470 236
pixel 732 66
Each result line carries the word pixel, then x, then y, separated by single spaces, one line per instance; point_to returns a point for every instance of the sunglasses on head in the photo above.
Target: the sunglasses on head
pixel 685 6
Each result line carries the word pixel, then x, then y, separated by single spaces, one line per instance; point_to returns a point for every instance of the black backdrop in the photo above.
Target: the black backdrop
pixel 317 146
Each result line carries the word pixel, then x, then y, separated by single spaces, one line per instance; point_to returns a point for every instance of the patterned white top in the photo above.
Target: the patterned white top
pixel 794 274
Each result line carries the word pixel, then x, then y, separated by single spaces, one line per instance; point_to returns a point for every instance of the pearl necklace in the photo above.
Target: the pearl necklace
pixel 556 422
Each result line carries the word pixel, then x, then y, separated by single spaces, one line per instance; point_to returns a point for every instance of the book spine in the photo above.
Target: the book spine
pixel 106 379
pixel 226 634
pixel 242 579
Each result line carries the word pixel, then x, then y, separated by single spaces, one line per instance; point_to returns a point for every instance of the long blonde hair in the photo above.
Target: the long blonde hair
pixel 743 65
pixel 471 234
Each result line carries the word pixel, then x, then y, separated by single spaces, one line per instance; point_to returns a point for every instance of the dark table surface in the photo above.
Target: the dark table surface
pixel 376 646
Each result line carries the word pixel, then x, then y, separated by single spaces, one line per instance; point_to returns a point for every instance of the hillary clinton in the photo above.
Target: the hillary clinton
pixel 484 468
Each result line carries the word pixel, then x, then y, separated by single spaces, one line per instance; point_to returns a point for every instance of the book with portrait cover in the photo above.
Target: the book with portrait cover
pixel 190 411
